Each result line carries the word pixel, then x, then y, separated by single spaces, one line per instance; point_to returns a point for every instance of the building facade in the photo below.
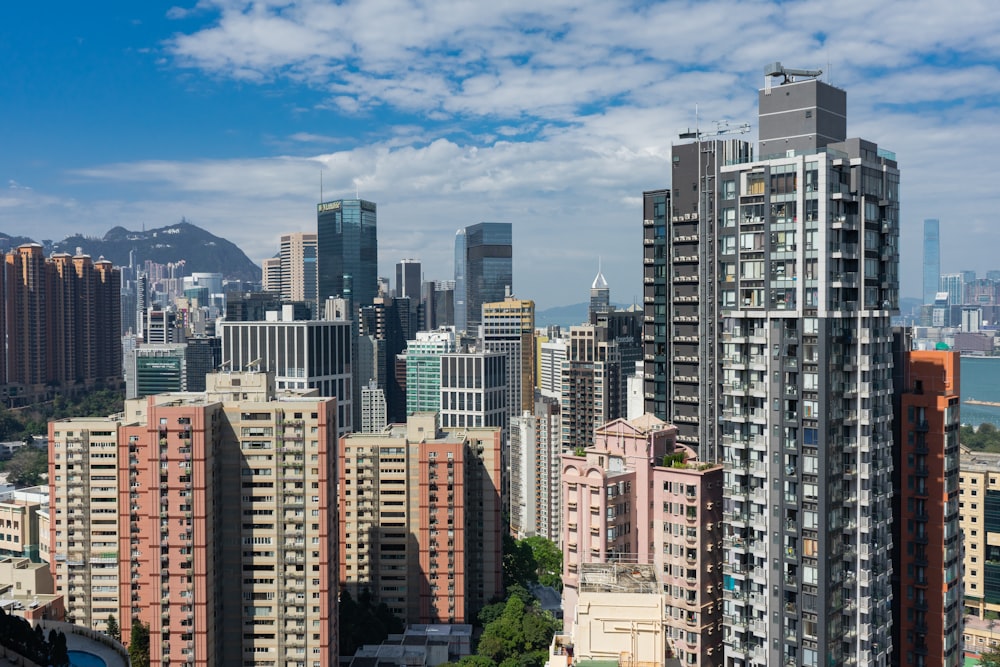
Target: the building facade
pixel 932 258
pixel 634 496
pixel 535 490
pixel 61 320
pixel 927 559
pixel 474 390
pixel 808 262
pixel 347 251
pixel 297 275
pixel 185 503
pixel 423 369
pixel 488 271
pixel 302 354
pixel 509 327
pixel 421 518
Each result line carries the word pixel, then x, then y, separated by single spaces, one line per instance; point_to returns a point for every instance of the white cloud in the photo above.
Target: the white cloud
pixel 555 116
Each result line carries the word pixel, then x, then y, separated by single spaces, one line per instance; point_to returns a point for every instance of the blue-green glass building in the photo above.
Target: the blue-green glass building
pixel 347 248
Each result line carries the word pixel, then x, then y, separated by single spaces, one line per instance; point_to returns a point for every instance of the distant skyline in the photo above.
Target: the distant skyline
pixel 554 117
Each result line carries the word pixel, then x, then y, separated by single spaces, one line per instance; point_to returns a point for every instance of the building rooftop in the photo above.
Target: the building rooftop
pixel 980 461
pixel 618 578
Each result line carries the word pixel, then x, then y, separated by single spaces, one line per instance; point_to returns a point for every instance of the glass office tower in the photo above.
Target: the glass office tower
pixel 347 251
pixel 488 268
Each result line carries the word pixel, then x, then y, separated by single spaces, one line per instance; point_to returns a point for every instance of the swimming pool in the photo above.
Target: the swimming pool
pixel 85 659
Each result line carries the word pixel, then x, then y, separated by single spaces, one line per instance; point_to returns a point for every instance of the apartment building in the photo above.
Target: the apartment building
pixel 535 462
pixel 204 515
pixel 775 279
pixel 509 327
pixel 421 523
pixel 61 318
pixel 927 559
pixel 636 496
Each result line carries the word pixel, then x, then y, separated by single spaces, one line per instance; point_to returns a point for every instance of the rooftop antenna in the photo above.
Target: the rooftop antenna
pixel 789 73
pixel 321 185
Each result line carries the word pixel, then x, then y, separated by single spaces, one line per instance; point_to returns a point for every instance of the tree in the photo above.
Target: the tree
pixel 990 657
pixel 548 561
pixel 518 563
pixel 112 628
pixel 138 646
pixel 27 466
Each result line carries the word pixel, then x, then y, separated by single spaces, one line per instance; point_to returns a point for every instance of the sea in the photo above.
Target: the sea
pixel 981 381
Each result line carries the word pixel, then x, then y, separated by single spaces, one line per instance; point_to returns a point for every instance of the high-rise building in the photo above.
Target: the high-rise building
pixel 487 271
pixel 680 284
pixel 509 327
pixel 932 259
pixel 779 277
pixel 302 354
pixel 373 410
pixel 189 502
pixel 594 375
pixel 954 285
pixel 61 320
pixel 551 357
pixel 438 305
pixel 388 323
pixel 474 390
pixel 347 251
pixel 423 369
pixel 979 493
pixel 927 537
pixel 298 275
pixel 600 298
pixel 535 450
pixel 408 279
pixel 806 384
pixel 270 268
pixel 634 496
pixel 460 297
pixel 421 518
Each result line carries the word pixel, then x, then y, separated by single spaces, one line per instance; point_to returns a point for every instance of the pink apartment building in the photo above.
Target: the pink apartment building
pixel 637 496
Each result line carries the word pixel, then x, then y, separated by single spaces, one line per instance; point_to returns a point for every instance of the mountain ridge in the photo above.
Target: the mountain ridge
pixel 200 250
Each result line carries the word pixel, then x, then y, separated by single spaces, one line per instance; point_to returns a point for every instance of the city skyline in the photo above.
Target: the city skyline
pixel 127 117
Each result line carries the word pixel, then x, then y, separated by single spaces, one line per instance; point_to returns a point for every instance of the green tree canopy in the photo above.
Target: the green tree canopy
pixel 548 559
pixel 27 466
pixel 138 646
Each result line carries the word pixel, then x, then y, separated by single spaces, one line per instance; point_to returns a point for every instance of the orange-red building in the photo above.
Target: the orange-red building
pixel 927 567
pixel 421 523
pixel 210 517
pixel 61 318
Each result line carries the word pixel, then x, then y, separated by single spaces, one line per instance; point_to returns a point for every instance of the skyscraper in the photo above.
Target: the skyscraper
pixel 459 298
pixel 932 259
pixel 302 354
pixel 347 251
pixel 600 297
pixel 779 277
pixel 487 270
pixel 408 279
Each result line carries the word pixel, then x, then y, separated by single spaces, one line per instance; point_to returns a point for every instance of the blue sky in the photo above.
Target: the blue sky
pixel 554 116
